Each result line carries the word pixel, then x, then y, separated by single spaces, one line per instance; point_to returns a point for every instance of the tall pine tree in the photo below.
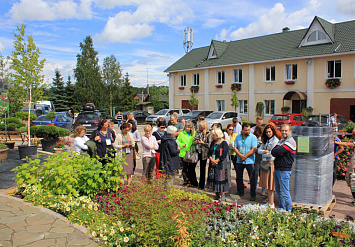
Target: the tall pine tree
pixel 89 86
pixel 127 103
pixel 58 93
pixel 69 89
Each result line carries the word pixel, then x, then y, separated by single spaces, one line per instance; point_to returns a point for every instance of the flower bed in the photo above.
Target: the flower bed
pixel 344 157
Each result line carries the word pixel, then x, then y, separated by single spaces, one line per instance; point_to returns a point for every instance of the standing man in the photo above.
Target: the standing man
pixel 259 122
pixel 174 122
pixel 334 123
pixel 237 126
pixel 119 118
pixel 245 146
pixel 284 152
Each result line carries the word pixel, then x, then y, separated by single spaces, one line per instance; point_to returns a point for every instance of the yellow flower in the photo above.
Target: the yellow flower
pixel 90 206
pixel 104 238
pixel 93 233
pixel 125 239
pixel 121 229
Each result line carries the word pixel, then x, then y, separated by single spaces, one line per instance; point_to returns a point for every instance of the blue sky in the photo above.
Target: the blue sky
pixel 146 35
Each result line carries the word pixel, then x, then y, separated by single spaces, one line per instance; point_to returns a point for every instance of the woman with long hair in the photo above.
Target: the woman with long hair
pixel 124 144
pixel 269 141
pixel 136 138
pixel 201 140
pixel 104 140
pixel 158 134
pixel 185 140
pixel 80 139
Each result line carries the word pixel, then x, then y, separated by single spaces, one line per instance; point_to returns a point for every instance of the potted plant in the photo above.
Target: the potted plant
pixel 62 145
pixel 50 135
pixel 218 86
pixel 333 83
pixel 51 116
pixel 236 87
pixel 285 109
pixel 194 89
pixel 181 88
pixel 3 152
pixel 289 82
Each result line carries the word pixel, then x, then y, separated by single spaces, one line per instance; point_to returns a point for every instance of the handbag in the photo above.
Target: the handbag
pixel 265 166
pixel 191 156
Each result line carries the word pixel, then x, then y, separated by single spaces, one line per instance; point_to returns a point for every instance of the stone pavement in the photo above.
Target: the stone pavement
pixel 22 224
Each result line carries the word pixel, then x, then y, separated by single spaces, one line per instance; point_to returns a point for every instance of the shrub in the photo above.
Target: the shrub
pixel 51 116
pixel 12 123
pixel 344 157
pixel 349 128
pixel 71 174
pixel 49 131
pixel 24 116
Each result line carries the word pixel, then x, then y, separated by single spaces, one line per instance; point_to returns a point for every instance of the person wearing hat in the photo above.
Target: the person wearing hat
pixel 169 157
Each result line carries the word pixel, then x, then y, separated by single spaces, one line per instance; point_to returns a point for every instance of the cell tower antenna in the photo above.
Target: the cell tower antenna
pixel 188 39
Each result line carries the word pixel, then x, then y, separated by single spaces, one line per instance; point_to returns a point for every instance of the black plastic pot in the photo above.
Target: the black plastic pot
pixel 48 145
pixel 27 151
pixel 10 145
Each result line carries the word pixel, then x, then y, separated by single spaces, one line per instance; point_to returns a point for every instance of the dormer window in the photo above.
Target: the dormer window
pixel 212 53
pixel 316 35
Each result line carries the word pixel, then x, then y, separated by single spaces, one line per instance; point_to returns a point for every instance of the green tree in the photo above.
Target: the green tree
pixel 127 103
pixel 112 75
pixel 69 89
pixel 235 100
pixel 89 86
pixel 58 93
pixel 26 69
pixel 193 100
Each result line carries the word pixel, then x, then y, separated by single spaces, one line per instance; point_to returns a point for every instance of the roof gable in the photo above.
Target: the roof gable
pixel 319 32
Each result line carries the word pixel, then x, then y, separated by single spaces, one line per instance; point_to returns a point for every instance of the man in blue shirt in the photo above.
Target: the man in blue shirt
pixel 245 145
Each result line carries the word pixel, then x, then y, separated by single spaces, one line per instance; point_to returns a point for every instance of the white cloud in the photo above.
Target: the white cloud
pixel 50 10
pixel 213 22
pixel 2 47
pixel 274 20
pixel 346 6
pixel 128 25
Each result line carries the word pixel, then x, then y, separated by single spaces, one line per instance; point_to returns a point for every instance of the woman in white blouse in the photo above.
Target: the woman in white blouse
pixel 80 139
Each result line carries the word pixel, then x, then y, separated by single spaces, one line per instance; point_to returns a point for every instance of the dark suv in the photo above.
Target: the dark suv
pixel 313 120
pixel 88 119
pixel 193 116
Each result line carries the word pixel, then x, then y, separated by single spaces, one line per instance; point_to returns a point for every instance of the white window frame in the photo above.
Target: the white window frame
pixel 327 72
pixel 194 75
pixel 268 112
pixel 221 103
pixel 240 77
pixel 221 72
pixel 242 105
pixel 265 69
pixel 182 80
pixel 286 72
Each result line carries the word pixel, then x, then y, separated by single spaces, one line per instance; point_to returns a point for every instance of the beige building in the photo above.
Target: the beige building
pixel 295 69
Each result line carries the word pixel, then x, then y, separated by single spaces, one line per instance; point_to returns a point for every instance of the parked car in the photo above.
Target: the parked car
pixel 292 119
pixel 165 113
pixel 59 121
pixel 38 112
pixel 222 117
pixel 313 120
pixel 140 116
pixel 64 114
pixel 88 119
pixel 193 116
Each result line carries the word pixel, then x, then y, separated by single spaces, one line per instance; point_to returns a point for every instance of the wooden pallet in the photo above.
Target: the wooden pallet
pixel 321 210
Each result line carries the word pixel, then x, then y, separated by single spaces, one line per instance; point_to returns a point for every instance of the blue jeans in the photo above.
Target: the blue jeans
pixel 282 185
pixel 118 124
pixel 239 168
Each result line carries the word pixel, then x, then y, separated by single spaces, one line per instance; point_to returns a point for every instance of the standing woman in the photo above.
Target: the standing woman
pixel 136 138
pixel 258 131
pixel 185 139
pixel 150 145
pixel 158 134
pixel 104 140
pixel 124 143
pixel 231 135
pixel 218 156
pixel 269 141
pixel 201 140
pixel 130 116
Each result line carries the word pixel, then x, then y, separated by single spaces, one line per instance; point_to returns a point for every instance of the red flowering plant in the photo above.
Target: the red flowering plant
pixel 344 157
pixel 236 86
pixel 333 83
pixel 218 86
pixel 63 143
pixel 289 82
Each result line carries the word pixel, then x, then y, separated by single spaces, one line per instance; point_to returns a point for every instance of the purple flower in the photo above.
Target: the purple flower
pixel 337 227
pixel 349 218
pixel 208 238
pixel 342 241
pixel 353 242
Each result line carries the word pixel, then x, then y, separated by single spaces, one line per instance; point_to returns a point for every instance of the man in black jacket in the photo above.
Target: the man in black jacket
pixel 284 152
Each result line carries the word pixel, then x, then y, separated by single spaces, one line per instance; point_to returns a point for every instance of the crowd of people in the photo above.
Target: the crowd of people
pixel 266 153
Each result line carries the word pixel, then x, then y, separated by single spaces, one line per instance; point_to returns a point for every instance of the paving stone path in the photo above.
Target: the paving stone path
pixel 22 224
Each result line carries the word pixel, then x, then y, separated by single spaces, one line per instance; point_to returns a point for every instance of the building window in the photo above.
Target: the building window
pixel 238 75
pixel 316 35
pixel 270 73
pixel 291 71
pixel 243 106
pixel 182 81
pixel 221 105
pixel 220 78
pixel 196 79
pixel 334 69
pixel 269 107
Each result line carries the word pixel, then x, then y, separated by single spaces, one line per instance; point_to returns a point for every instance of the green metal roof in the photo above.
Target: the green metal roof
pixel 269 47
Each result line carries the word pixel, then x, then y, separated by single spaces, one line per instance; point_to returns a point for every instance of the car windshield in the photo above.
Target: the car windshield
pixel 60 113
pixel 215 115
pixel 192 114
pixel 88 116
pixel 42 118
pixel 162 112
pixel 280 118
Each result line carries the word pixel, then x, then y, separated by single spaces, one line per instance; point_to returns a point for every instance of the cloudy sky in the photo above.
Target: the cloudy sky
pixel 146 35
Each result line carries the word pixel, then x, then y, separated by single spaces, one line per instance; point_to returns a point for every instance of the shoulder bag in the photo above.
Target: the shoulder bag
pixel 265 166
pixel 191 156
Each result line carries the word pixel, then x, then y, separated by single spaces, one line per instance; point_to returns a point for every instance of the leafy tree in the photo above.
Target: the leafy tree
pixel 127 103
pixel 58 93
pixel 69 89
pixel 26 78
pixel 89 86
pixel 235 100
pixel 112 75
pixel 154 97
pixel 193 100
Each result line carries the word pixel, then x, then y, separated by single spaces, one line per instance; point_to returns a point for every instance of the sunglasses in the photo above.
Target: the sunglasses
pixel 230 129
pixel 163 127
